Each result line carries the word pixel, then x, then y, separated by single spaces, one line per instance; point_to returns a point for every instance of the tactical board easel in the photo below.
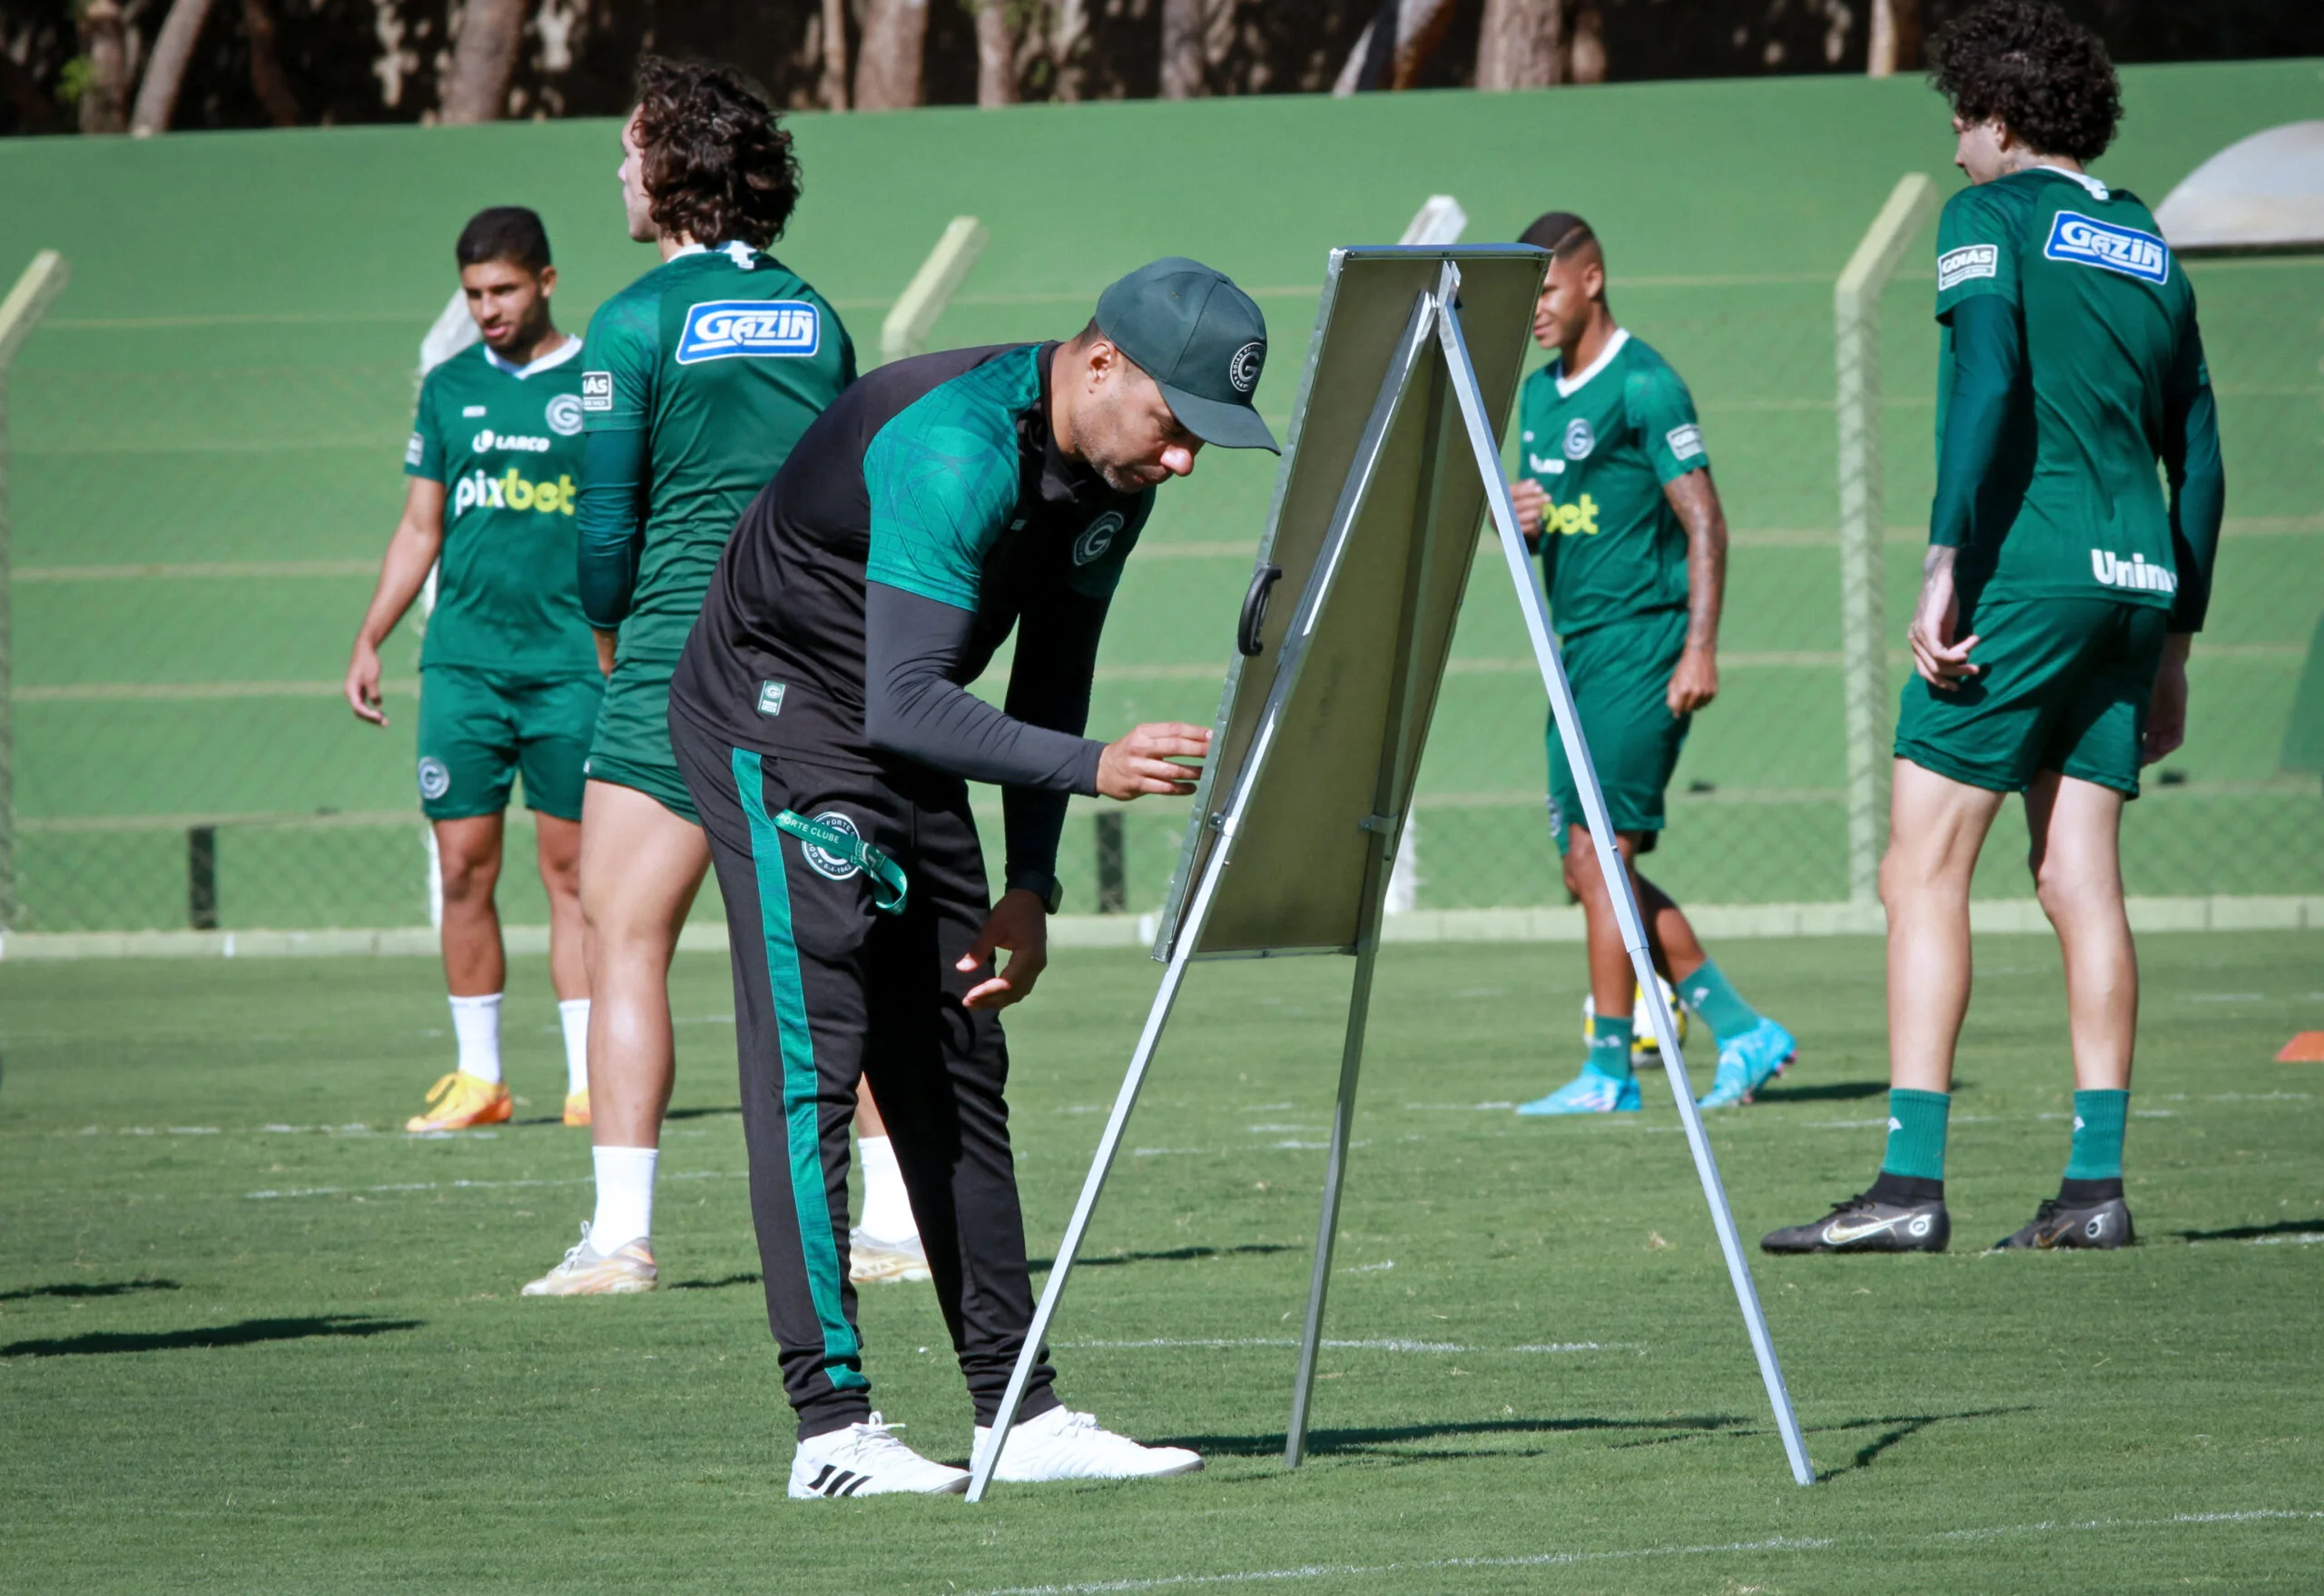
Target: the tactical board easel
pixel 1395 458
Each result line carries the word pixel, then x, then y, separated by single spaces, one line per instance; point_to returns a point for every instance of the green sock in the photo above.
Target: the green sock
pixel 2098 1123
pixel 1709 994
pixel 1916 1134
pixel 1610 1047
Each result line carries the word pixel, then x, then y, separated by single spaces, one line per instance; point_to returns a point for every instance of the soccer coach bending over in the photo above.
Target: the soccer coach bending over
pixel 821 719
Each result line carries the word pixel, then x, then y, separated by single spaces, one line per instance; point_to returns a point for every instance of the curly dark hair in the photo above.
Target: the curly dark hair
pixel 718 164
pixel 2036 70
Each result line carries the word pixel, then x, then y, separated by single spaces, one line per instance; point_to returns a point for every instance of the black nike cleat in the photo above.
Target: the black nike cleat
pixel 1866 1223
pixel 2104 1224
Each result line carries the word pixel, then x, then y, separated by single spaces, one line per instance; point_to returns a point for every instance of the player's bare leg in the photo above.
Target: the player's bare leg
pixel 556 846
pixel 1936 826
pixel 476 970
pixel 2077 862
pixel 641 866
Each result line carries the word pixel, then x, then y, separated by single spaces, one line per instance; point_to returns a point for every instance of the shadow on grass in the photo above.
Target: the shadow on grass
pixel 1389 1436
pixel 1835 1091
pixel 752 1278
pixel 703 1113
pixel 1177 1254
pixel 2256 1232
pixel 76 1288
pixel 249 1333
pixel 1896 1429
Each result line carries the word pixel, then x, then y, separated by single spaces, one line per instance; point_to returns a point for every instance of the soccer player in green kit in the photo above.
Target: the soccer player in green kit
pixel 702 374
pixel 1617 492
pixel 2060 596
pixel 509 679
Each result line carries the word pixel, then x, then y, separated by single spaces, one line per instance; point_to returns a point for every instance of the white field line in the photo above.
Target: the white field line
pixel 1201 1344
pixel 1557 1559
pixel 403 1185
pixel 1358 1571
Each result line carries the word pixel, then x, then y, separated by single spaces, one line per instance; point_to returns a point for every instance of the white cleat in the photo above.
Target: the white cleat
pixel 872 1261
pixel 867 1460
pixel 587 1272
pixel 1061 1444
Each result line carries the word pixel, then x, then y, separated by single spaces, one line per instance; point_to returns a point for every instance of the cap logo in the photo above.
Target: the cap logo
pixel 1243 371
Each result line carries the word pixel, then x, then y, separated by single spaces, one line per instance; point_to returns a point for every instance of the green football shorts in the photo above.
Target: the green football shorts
pixel 2065 686
pixel 632 747
pixel 479 729
pixel 1620 673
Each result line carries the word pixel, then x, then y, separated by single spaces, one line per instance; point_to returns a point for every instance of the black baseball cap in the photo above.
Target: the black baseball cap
pixel 1203 341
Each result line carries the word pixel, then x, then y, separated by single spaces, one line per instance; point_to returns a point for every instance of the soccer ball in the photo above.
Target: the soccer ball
pixel 1643 1046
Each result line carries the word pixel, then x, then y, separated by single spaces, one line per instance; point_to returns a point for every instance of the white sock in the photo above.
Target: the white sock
pixel 476 1021
pixel 624 1197
pixel 887 1210
pixel 574 1015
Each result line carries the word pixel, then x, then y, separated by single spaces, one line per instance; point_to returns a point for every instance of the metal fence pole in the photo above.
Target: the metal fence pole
pixel 1856 328
pixel 20 312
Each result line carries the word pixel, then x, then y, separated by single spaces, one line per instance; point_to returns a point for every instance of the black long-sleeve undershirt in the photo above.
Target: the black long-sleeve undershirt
pixel 1033 750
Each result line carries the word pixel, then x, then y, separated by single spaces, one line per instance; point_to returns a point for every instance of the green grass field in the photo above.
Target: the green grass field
pixel 250 1338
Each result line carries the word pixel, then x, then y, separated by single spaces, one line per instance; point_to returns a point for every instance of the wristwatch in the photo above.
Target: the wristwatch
pixel 1043 884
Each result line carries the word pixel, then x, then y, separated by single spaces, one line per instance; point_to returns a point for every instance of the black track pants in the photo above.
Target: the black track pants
pixel 828 990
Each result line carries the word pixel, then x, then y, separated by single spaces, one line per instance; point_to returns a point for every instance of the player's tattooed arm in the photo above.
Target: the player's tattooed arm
pixel 1943 663
pixel 411 554
pixel 1696 680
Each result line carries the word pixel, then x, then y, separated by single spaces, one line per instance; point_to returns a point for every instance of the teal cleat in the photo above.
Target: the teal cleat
pixel 1749 1062
pixel 1588 1093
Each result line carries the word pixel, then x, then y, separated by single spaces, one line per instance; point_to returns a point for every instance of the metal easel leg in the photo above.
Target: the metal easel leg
pixel 1535 605
pixel 1359 1005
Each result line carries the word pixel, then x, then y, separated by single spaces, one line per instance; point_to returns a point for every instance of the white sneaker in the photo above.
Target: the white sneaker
pixel 587 1272
pixel 873 1261
pixel 867 1460
pixel 1062 1444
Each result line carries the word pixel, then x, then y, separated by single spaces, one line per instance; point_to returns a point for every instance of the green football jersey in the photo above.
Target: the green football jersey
pixel 1601 446
pixel 723 357
pixel 506 442
pixel 2072 505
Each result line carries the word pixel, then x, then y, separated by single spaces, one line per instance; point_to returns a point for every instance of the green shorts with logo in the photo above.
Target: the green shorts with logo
pixel 1620 673
pixel 2064 686
pixel 479 729
pixel 632 747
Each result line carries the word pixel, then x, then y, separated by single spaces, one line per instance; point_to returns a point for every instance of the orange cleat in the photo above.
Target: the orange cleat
pixel 462 1102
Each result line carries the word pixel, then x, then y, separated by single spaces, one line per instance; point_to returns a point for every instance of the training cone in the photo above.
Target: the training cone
pixel 2307 1047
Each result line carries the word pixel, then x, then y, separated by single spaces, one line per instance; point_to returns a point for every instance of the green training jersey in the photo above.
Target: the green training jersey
pixel 1602 445
pixel 723 357
pixel 506 443
pixel 2072 505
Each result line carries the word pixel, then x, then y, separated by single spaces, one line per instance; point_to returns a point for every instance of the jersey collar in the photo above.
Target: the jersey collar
pixel 734 250
pixel 569 350
pixel 1568 387
pixel 2098 191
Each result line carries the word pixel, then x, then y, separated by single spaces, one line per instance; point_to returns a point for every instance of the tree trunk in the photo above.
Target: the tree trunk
pixel 996 54
pixel 831 88
pixel 1420 27
pixel 1519 43
pixel 1586 61
pixel 888 57
pixel 1182 62
pixel 104 100
pixel 157 95
pixel 1068 33
pixel 482 58
pixel 1896 42
pixel 269 82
